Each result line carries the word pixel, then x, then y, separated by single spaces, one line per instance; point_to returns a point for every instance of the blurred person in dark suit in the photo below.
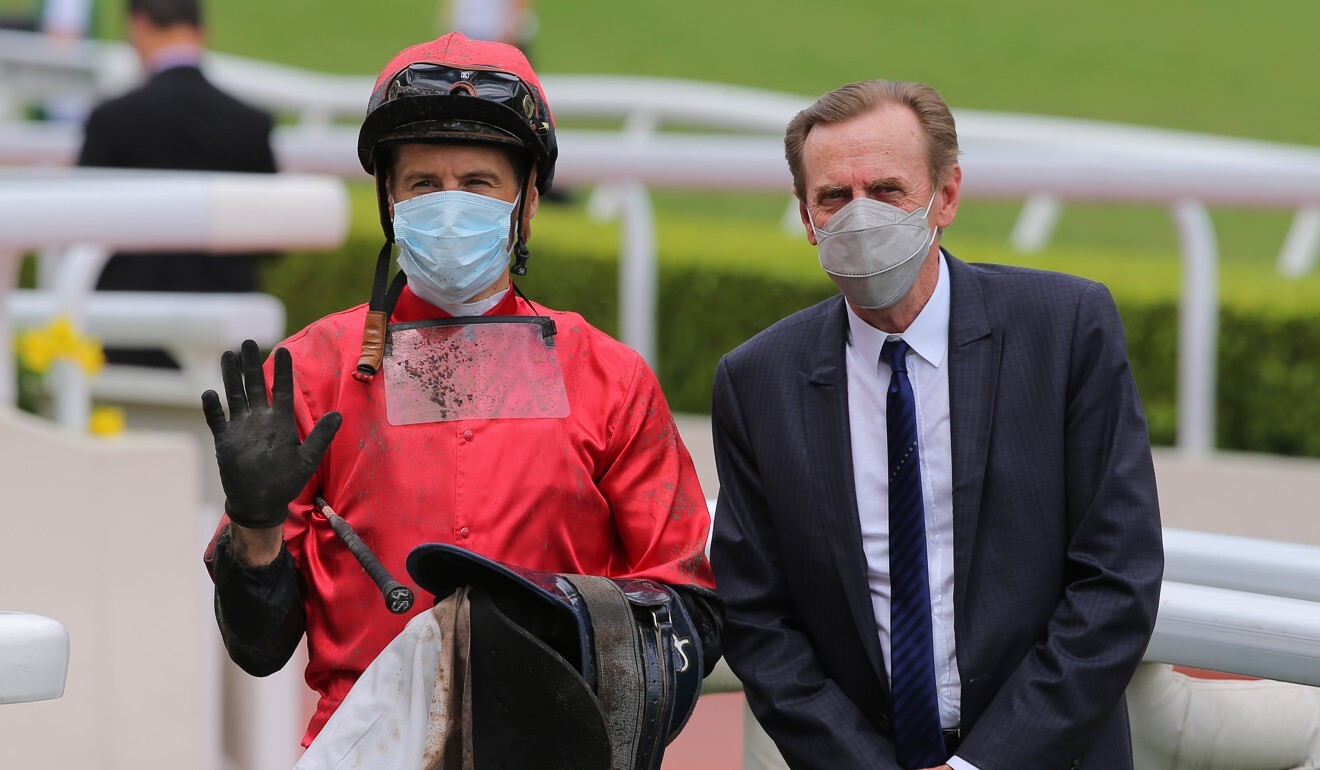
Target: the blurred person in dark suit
pixel 66 22
pixel 176 120
pixel 937 535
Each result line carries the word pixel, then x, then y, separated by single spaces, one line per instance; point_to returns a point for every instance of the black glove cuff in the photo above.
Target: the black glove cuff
pixel 706 610
pixel 266 521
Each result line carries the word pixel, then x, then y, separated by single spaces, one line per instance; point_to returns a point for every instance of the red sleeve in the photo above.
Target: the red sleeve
pixel 653 491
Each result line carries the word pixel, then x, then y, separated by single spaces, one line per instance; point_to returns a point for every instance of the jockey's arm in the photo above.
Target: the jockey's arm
pixel 258 602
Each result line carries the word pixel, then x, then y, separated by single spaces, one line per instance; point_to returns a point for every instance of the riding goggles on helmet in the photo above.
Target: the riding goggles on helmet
pixel 499 87
pixel 431 101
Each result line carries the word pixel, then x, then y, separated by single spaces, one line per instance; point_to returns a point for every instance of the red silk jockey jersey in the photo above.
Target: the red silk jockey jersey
pixel 608 490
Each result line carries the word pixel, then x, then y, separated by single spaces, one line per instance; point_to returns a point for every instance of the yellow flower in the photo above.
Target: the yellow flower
pixel 41 347
pixel 89 356
pixel 35 351
pixel 106 421
pixel 63 336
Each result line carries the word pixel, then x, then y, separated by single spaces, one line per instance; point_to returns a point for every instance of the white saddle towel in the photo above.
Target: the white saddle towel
pixel 409 710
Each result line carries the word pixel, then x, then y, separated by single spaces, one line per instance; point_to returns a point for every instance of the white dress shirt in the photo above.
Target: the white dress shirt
pixel 868 385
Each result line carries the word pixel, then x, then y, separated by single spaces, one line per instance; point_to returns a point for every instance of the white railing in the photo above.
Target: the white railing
pixel 1237 632
pixel 34 657
pixel 194 329
pixel 1240 605
pixel 1256 614
pixel 1233 604
pixel 89 212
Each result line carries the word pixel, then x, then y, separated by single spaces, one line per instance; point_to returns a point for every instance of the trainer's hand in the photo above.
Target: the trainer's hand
pixel 263 466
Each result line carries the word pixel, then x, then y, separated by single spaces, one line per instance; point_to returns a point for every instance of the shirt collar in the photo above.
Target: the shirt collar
pixel 178 55
pixel 928 334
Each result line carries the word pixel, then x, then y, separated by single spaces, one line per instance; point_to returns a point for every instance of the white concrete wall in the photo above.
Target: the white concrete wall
pixel 1242 494
pixel 103 536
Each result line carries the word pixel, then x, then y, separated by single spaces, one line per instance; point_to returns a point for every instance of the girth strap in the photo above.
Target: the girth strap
pixel 621 683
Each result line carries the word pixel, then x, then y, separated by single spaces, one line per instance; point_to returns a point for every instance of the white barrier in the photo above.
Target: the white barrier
pixel 193 328
pixel 145 210
pixel 150 210
pixel 1272 632
pixel 1269 567
pixel 1232 604
pixel 1240 605
pixel 1237 632
pixel 34 657
pixel 102 536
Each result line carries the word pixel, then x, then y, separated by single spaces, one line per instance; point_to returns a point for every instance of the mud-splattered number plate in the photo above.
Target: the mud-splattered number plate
pixel 442 371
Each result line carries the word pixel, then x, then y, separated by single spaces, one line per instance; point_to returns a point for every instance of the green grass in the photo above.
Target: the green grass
pixel 1218 66
pixel 1213 65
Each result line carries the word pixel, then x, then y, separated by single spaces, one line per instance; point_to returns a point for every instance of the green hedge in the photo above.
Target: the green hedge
pixel 720 284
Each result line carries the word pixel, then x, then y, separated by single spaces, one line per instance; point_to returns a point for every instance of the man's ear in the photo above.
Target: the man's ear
pixel 137 30
pixel 943 216
pixel 806 222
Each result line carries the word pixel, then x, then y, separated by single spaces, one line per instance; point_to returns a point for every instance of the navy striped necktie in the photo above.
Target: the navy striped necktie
pixel 918 742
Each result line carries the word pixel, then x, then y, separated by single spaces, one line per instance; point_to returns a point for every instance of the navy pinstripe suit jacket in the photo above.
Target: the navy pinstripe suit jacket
pixel 1057 547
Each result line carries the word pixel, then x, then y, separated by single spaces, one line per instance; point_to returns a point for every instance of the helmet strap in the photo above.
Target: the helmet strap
pixel 383 202
pixel 383 300
pixel 379 311
pixel 378 285
pixel 520 253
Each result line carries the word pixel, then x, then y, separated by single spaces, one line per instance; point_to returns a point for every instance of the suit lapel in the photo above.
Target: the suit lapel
pixel 974 354
pixel 829 451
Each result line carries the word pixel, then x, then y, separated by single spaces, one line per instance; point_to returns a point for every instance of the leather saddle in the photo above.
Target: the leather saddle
pixel 568 671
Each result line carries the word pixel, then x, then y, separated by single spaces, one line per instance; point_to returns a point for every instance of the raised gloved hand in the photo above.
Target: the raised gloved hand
pixel 263 466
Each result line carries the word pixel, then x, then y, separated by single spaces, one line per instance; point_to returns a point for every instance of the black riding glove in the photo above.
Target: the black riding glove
pixel 263 467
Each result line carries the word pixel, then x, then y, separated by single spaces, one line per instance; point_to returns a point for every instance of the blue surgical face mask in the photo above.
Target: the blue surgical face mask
pixel 452 244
